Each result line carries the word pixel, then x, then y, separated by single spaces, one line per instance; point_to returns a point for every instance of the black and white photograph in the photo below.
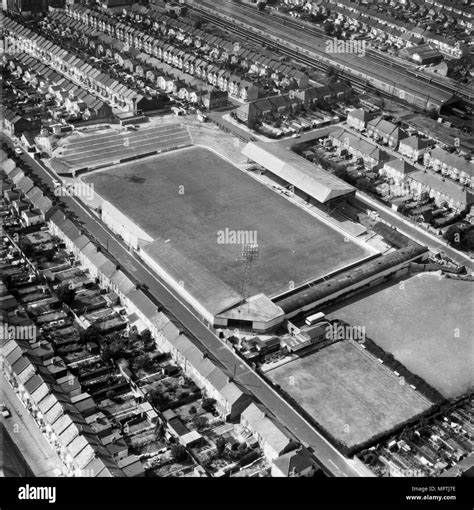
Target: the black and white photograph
pixel 237 242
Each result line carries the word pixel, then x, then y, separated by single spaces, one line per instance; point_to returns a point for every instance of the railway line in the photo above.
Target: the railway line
pixel 358 83
pixel 462 91
pixel 265 29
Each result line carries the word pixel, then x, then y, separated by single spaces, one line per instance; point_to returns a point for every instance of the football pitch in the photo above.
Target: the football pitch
pixel 348 392
pixel 426 322
pixel 206 208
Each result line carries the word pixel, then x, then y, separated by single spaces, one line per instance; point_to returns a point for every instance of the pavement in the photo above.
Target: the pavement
pixel 329 457
pixel 39 457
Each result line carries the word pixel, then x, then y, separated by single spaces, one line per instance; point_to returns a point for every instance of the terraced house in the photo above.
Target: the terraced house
pixel 385 132
pixel 210 65
pixel 450 165
pixel 74 441
pixel 76 69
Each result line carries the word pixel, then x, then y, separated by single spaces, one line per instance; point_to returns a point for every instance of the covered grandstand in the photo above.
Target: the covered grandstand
pixel 350 281
pixel 298 172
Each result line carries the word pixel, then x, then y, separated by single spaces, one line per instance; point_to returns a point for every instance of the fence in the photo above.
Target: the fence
pixel 227 128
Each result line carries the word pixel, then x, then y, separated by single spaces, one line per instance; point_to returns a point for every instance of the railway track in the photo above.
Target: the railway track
pixel 463 92
pixel 255 25
pixel 359 84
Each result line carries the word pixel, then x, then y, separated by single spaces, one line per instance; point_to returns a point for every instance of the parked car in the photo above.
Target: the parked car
pixel 5 411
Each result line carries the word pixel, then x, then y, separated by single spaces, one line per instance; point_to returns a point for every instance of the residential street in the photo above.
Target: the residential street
pixel 330 458
pixel 415 233
pixel 23 431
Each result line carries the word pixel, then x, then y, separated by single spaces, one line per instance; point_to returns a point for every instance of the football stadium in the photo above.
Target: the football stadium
pixel 188 213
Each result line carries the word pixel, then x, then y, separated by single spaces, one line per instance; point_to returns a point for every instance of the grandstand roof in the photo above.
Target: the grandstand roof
pixel 294 169
pixel 350 277
pixel 214 294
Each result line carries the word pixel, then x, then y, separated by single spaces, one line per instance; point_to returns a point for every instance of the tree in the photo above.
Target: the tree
pixel 106 356
pixel 88 335
pixel 148 340
pixel 159 430
pixel 240 451
pixel 220 445
pixel 208 404
pixel 179 453
pixel 146 336
pixel 201 422
pixel 341 172
pixel 110 394
pixel 66 294
pixel 328 28
pixel 27 248
pixel 453 235
pixel 50 254
pixel 261 6
pixel 158 399
pixel 141 361
pixel 133 335
pixel 192 410
pixel 117 349
pixel 468 239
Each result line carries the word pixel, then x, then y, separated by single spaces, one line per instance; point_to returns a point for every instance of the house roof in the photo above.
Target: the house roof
pixel 360 114
pixel 254 415
pixel 415 142
pixel 452 160
pixel 293 463
pixel 123 283
pixel 445 187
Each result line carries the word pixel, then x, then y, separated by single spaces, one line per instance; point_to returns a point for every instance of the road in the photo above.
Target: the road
pixel 331 459
pixel 12 462
pixel 415 233
pixel 38 456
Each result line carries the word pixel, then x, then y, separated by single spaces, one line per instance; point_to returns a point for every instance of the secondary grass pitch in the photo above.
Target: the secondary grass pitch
pixel 191 196
pixel 426 323
pixel 348 392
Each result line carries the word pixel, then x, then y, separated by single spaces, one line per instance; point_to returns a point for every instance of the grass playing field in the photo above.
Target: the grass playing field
pixel 348 392
pixel 426 323
pixel 189 197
